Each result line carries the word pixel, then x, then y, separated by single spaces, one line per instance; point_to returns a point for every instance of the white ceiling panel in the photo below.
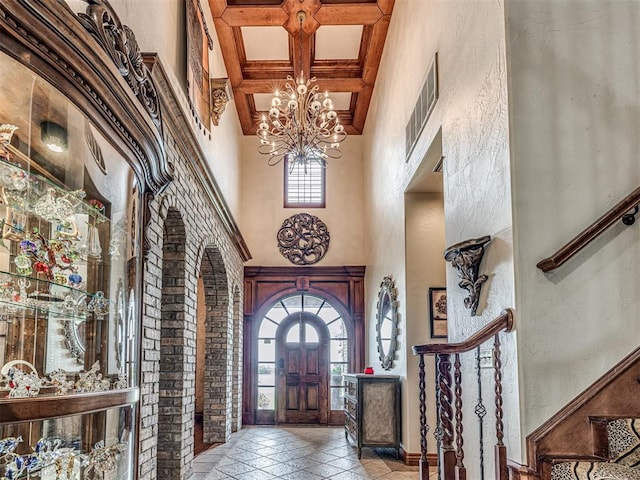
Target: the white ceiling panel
pixel 265 43
pixel 338 42
pixel 262 101
pixel 341 100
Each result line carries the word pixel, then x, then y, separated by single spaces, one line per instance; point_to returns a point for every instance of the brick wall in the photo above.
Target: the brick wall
pixel 187 240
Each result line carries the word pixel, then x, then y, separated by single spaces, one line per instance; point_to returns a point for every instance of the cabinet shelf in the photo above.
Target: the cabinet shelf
pixel 17 410
pixel 35 186
pixel 45 296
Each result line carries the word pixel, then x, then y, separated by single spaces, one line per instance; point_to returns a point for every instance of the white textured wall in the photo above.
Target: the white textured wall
pixel 263 211
pixel 159 26
pixel 472 110
pixel 574 90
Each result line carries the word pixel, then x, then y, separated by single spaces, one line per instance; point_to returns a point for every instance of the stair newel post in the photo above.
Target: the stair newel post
pixel 424 463
pixel 448 455
pixel 502 472
pixel 461 471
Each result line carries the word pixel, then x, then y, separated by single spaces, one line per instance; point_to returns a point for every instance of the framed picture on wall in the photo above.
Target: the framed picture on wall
pixel 438 312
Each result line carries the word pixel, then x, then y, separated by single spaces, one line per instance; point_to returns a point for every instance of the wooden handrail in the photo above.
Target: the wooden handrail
pixel 503 322
pixel 590 233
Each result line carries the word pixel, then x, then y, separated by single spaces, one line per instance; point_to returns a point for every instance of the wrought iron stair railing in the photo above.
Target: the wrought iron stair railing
pixel 449 404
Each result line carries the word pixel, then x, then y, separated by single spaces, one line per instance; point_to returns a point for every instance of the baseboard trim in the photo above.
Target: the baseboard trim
pixel 413 459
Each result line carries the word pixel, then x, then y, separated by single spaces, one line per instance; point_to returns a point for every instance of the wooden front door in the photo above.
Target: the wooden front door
pixel 302 365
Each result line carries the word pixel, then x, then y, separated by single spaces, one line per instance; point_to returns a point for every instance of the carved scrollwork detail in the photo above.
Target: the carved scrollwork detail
pixel 303 239
pixel 220 96
pixel 120 43
pixel 466 257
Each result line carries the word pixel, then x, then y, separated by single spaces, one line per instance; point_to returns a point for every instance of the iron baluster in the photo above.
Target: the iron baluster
pixel 500 449
pixel 461 471
pixel 446 416
pixel 424 427
pixel 480 411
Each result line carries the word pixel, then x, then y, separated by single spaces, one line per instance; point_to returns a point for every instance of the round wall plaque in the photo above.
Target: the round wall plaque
pixel 303 239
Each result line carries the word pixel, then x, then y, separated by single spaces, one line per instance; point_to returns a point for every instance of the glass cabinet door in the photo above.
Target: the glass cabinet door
pixel 69 208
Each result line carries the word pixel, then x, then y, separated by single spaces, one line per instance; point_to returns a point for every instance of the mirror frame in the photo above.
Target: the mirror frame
pixel 389 293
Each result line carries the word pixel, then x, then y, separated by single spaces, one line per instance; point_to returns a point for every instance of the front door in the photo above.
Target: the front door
pixel 302 365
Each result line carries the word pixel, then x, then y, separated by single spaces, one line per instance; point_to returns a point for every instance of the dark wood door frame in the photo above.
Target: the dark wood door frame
pixel 342 286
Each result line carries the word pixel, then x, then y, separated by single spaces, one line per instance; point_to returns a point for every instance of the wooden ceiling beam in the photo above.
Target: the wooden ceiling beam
pixel 228 46
pixel 329 68
pixel 247 87
pixel 217 7
pixel 386 6
pixel 245 113
pixel 374 51
pixel 267 70
pixel 356 76
pixel 255 16
pixel 362 107
pixel 350 14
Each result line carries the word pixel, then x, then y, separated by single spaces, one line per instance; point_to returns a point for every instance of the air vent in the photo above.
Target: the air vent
pixel 424 106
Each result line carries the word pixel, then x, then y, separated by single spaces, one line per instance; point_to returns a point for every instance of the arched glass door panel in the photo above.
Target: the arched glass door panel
pixel 339 345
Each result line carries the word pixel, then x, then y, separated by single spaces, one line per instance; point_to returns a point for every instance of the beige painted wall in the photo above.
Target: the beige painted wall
pixel 263 211
pixel 472 112
pixel 575 143
pixel 424 229
pixel 159 26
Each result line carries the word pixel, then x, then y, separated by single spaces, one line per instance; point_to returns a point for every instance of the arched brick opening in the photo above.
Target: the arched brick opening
pixel 173 331
pixel 218 373
pixel 236 418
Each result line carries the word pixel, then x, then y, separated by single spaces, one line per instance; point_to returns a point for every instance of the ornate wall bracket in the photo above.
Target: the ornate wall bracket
pixel 220 95
pixel 466 257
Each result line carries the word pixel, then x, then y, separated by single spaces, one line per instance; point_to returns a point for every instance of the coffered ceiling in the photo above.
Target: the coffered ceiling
pixel 342 42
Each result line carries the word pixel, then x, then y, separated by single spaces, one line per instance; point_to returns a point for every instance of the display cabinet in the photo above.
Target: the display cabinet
pixel 372 411
pixel 69 217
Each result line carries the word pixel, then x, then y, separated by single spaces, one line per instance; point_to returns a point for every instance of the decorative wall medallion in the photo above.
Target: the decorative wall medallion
pixel 466 257
pixel 303 239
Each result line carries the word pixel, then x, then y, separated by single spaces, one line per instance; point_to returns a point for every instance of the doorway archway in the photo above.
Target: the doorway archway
pixel 302 335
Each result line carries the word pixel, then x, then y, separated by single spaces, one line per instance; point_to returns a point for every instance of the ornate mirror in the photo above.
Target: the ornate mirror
pixel 387 322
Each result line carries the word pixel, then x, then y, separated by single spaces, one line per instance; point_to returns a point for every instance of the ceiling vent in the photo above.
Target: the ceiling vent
pixel 424 106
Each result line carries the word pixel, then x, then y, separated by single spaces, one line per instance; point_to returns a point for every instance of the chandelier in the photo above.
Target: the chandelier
pixel 301 126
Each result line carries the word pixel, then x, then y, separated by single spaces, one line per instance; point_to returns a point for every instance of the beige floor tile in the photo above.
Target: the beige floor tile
pixel 297 453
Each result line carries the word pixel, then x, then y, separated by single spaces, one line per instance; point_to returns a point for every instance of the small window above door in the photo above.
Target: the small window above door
pixel 304 186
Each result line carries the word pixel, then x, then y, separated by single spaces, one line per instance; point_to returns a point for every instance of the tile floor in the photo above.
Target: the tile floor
pixel 297 453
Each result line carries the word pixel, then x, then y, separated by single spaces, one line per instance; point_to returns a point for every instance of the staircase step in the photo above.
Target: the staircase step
pixel 594 471
pixel 624 441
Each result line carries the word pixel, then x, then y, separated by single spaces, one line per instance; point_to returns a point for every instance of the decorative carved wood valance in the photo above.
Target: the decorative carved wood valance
pixel 100 70
pixel 120 43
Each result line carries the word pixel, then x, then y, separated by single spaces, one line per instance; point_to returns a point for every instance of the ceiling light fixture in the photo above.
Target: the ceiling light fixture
pixel 54 136
pixel 302 125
